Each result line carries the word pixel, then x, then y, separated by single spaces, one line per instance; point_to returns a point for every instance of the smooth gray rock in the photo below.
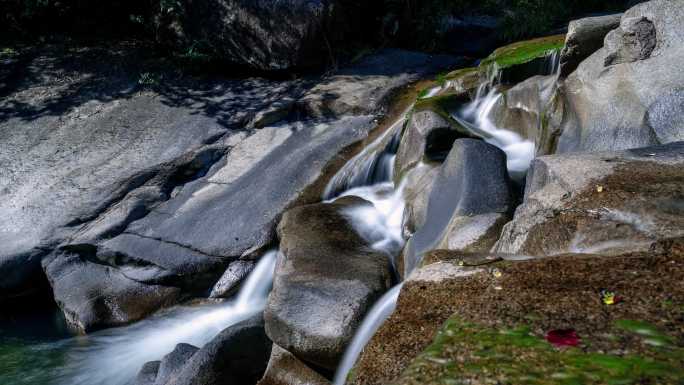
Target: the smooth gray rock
pixel 417 187
pixel 473 234
pixel 326 279
pixel 286 369
pixel 523 108
pixel 174 362
pixel 472 181
pixel 238 355
pixel 666 116
pixel 599 203
pixel 230 281
pixel 605 108
pixel 148 374
pixel 78 135
pixel 585 36
pixel 94 296
pixel 420 136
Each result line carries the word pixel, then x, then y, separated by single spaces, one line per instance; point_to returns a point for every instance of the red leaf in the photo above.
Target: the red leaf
pixel 563 337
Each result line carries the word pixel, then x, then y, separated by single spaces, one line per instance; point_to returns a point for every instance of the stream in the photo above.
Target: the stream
pixel 35 354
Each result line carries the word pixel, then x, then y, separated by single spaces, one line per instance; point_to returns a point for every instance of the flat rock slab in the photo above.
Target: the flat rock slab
pixel 78 132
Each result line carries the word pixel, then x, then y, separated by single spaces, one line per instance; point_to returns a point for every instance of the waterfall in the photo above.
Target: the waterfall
pixel 478 117
pixel 374 165
pixel 369 176
pixel 382 309
pixel 114 356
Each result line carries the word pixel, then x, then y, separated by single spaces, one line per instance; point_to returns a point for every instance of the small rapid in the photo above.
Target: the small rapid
pixel 114 356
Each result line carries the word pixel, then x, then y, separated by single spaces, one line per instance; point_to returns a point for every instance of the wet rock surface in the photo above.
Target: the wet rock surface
pixel 326 279
pixel 286 369
pixel 173 362
pixel 95 296
pixel 238 355
pixel 472 181
pixel 230 280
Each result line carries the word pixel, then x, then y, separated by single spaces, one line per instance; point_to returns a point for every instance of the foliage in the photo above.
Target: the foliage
pixel 422 23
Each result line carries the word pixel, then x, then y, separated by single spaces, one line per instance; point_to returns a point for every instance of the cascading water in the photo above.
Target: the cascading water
pixel 369 176
pixel 478 117
pixel 114 356
pixel 387 216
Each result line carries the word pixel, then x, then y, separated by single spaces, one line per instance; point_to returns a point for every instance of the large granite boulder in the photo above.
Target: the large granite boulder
pixel 326 279
pixel 286 369
pixel 605 103
pixel 473 181
pixel 265 35
pixel 585 36
pixel 600 203
pixel 94 296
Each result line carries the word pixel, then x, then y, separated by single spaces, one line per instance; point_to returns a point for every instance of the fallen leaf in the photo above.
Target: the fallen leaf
pixel 563 337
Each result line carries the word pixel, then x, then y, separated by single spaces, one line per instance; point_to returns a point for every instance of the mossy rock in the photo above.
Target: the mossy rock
pixel 502 307
pixel 522 60
pixel 443 104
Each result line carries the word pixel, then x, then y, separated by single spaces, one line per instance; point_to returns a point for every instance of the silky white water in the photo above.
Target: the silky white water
pixel 372 322
pixel 114 356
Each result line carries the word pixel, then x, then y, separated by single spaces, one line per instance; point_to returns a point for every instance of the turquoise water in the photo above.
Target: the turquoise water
pixel 32 347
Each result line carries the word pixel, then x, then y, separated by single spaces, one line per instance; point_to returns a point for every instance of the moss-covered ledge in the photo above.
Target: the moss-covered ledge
pixel 521 60
pixel 523 51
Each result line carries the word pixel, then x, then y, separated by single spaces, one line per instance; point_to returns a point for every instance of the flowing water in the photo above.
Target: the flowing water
pixel 389 204
pixel 114 356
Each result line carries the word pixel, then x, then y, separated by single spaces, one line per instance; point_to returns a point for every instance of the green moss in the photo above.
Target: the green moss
pixel 523 52
pixel 466 353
